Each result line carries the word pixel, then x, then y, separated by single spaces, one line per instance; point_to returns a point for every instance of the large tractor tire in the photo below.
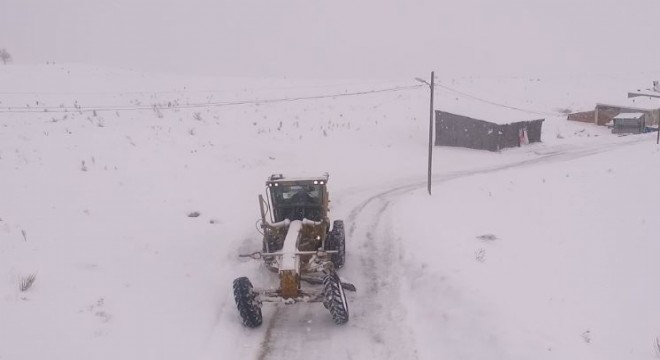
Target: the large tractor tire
pixel 246 301
pixel 336 240
pixel 334 298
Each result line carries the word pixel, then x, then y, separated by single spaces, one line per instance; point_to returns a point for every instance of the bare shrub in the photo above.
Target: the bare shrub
pixel 656 347
pixel 487 237
pixel 5 56
pixel 480 255
pixel 26 282
pixel 156 108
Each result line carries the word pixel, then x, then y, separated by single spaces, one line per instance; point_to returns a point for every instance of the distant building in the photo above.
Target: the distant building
pixel 604 114
pixel 463 131
pixel 583 116
pixel 629 123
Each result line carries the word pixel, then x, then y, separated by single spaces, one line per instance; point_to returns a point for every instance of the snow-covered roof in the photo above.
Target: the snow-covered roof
pixel 629 116
pixel 643 93
pixel 479 110
pixel 640 103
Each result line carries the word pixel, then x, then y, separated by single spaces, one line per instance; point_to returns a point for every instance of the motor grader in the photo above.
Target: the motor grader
pixel 300 246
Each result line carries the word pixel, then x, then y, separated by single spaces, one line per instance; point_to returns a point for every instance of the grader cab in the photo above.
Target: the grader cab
pixel 299 244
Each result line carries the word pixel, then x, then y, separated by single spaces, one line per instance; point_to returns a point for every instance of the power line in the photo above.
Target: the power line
pixel 182 91
pixel 496 103
pixel 103 108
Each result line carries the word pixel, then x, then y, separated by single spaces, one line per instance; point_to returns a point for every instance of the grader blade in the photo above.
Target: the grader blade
pixel 319 280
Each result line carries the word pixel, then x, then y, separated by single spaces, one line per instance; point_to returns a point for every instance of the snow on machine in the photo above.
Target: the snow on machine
pixel 300 246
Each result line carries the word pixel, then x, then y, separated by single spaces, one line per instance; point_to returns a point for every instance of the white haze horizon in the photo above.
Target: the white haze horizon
pixel 339 39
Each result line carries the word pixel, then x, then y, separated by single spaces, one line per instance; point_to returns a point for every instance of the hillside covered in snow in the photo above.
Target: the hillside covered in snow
pixel 547 251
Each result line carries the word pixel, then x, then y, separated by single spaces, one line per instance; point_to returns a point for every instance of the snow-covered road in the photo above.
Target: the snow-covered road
pixel 380 327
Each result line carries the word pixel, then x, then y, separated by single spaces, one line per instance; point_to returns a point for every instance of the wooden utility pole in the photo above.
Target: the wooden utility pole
pixel 431 86
pixel 431 132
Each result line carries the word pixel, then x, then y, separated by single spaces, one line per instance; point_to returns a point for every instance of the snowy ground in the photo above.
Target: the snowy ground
pixel 540 252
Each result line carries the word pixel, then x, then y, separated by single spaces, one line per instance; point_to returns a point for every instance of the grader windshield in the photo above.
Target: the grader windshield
pixel 295 200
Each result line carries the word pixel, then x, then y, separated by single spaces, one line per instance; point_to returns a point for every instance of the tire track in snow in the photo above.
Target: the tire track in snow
pixel 378 255
pixel 265 348
pixel 556 156
pixel 374 256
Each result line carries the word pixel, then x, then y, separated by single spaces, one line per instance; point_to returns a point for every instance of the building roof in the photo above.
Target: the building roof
pixel 629 116
pixel 498 114
pixel 646 93
pixel 636 103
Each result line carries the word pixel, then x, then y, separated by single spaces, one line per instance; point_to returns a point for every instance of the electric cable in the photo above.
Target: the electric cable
pixel 169 106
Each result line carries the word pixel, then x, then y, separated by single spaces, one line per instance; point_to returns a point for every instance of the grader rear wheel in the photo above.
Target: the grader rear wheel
pixel 337 241
pixel 334 298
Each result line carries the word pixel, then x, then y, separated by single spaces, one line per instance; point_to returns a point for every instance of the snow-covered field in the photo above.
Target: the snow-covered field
pixel 542 252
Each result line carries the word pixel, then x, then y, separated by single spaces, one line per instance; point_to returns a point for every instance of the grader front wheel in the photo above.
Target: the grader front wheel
pixel 246 302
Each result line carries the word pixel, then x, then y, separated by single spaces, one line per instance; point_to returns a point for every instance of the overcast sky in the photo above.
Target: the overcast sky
pixel 338 38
